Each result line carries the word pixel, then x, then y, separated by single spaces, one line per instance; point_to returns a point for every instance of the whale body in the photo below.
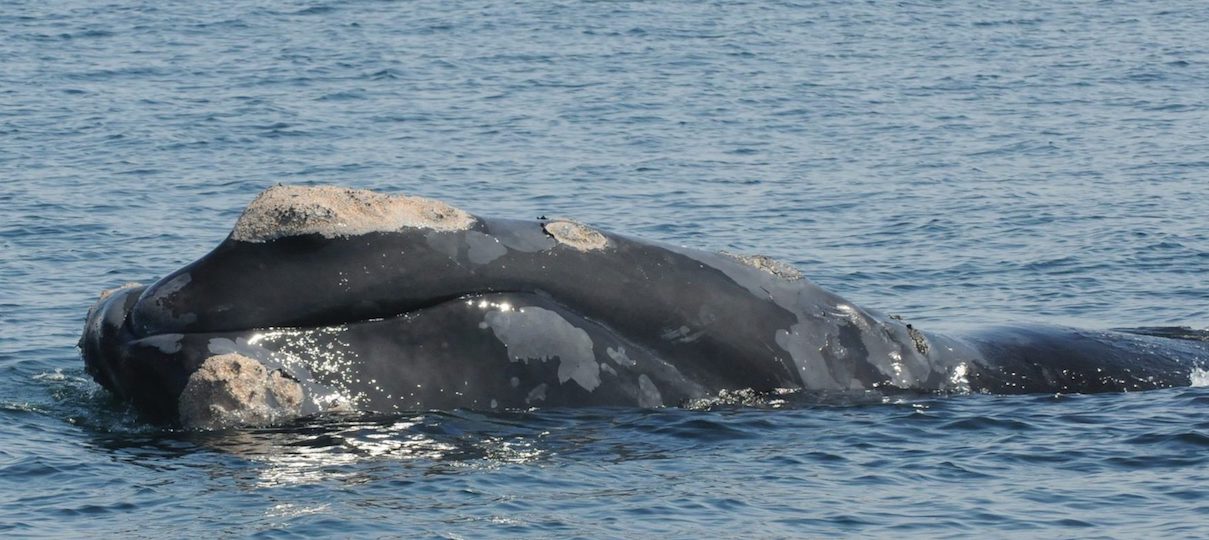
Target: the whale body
pixel 326 298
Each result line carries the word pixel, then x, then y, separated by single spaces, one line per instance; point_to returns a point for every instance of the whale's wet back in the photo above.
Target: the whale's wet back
pixel 365 301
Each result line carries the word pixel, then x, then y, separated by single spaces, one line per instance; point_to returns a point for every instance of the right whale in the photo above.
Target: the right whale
pixel 328 298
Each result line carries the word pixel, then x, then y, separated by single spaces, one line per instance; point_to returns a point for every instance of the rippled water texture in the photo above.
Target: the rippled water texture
pixel 954 162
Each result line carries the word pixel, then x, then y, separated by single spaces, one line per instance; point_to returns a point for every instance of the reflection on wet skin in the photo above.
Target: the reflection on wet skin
pixel 373 302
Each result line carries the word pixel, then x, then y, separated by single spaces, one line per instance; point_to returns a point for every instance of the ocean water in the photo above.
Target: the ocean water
pixel 955 162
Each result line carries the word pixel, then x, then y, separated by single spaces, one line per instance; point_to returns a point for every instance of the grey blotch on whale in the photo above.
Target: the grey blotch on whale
pixel 327 298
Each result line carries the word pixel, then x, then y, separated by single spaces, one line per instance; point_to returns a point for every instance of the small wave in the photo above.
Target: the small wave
pixel 743 397
pixel 56 375
pixel 72 397
pixel 1191 438
pixel 24 407
pixel 1199 378
pixel 314 10
pixel 988 423
pixel 787 398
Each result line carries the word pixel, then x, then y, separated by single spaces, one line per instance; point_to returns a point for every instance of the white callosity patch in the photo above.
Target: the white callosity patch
pixel 233 390
pixel 535 333
pixel 575 235
pixel 282 211
pixel 777 268
pixel 303 354
pixel 109 292
pixel 310 355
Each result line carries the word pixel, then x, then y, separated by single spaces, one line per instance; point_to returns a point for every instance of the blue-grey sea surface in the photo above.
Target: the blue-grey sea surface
pixel 954 162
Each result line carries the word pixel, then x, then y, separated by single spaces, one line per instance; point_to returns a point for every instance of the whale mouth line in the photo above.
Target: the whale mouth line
pixel 123 361
pixel 329 321
pixel 475 299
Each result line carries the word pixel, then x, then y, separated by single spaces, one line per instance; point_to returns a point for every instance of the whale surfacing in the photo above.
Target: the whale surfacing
pixel 327 298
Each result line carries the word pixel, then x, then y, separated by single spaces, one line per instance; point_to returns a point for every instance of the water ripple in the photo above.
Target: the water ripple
pixel 954 163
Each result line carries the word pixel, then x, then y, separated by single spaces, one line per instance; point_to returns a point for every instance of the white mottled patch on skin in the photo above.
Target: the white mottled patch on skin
pixel 648 394
pixel 618 355
pixel 483 248
pixel 811 367
pixel 166 343
pixel 101 298
pixel 233 390
pixel 525 240
pixel 540 334
pixel 223 346
pixel 903 356
pixel 329 211
pixel 575 235
pixel 444 242
pixel 162 293
pixel 683 334
pixel 892 350
pixel 173 285
pixel 537 394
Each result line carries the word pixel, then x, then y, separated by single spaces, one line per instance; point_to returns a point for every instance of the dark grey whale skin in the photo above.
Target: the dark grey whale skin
pixel 503 315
